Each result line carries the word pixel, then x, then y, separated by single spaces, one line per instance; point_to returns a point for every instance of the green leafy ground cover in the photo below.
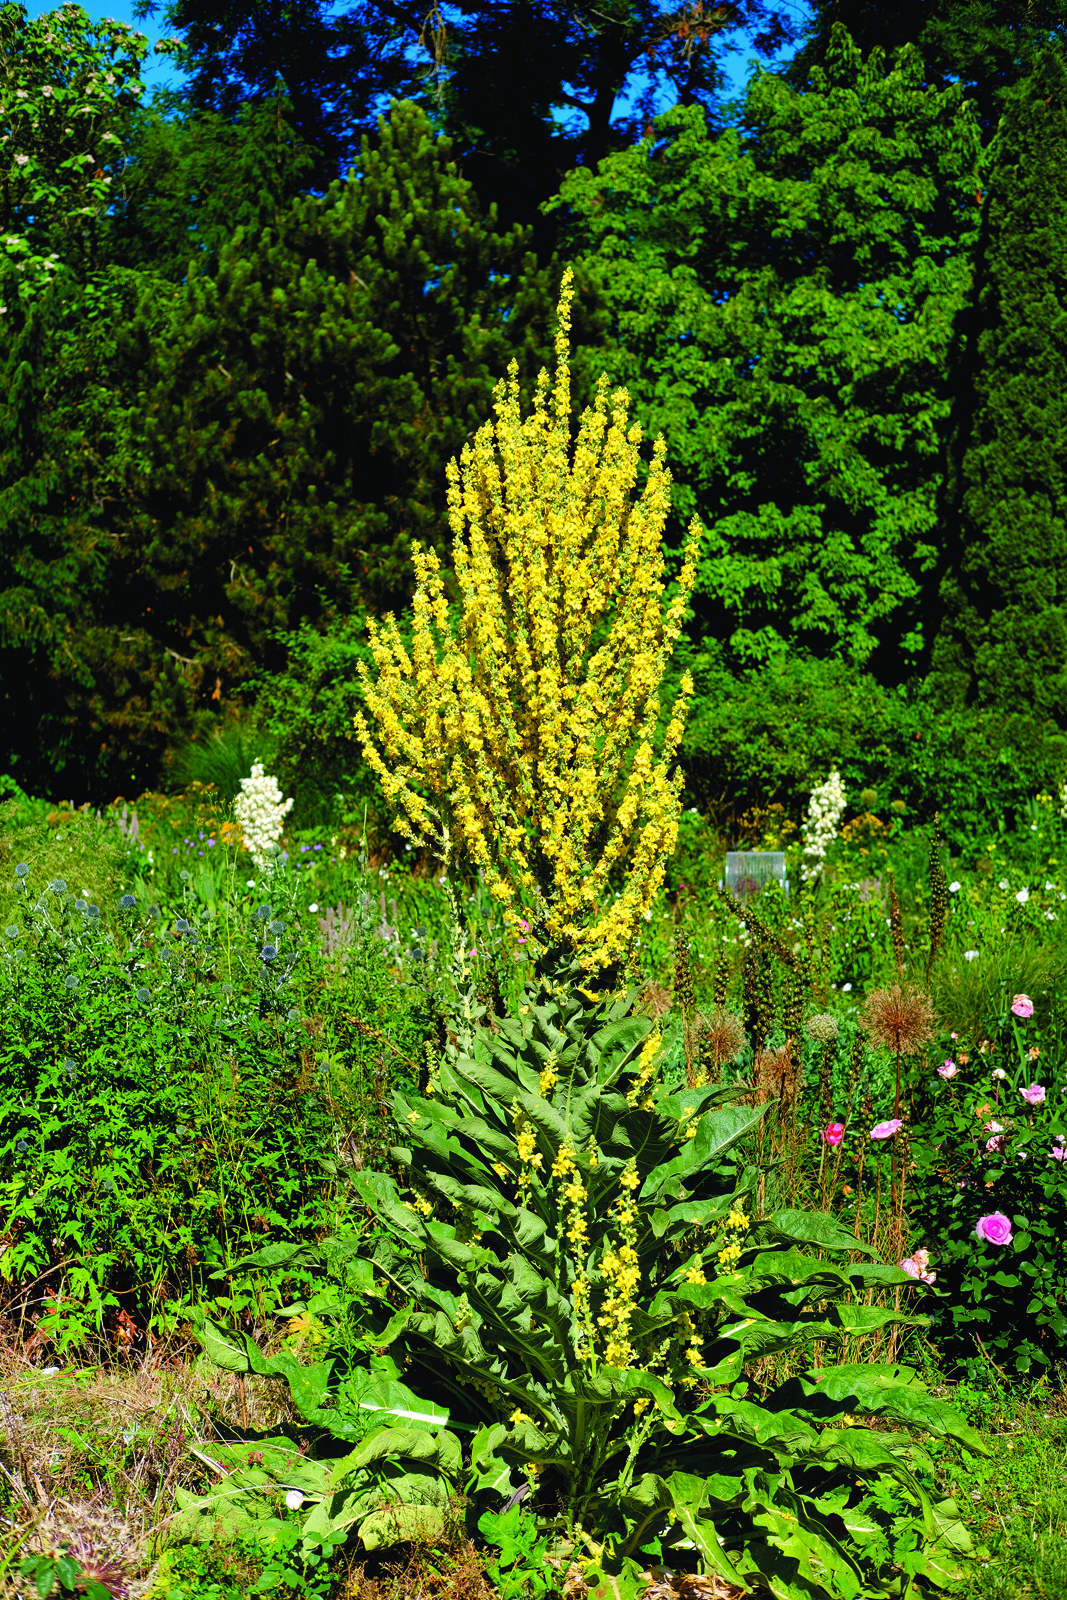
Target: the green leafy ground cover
pixel 192 1130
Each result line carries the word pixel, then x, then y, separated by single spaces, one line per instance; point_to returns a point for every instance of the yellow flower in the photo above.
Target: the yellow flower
pixel 528 731
pixel 519 1416
pixel 500 1169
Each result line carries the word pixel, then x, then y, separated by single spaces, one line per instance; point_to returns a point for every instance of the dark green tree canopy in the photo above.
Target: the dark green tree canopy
pixel 783 299
pixel 527 89
pixel 1004 639
pixel 185 477
pixel 987 45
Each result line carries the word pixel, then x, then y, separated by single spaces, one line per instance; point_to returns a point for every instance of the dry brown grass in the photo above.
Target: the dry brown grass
pixel 90 1458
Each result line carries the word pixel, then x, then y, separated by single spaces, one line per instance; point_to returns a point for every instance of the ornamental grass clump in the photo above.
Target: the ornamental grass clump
pixel 530 731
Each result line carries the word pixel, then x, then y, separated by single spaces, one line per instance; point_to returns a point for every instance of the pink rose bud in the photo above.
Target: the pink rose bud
pixel 1023 1006
pixel 949 1070
pixel 886 1130
pixel 834 1132
pixel 994 1229
pixel 1035 1095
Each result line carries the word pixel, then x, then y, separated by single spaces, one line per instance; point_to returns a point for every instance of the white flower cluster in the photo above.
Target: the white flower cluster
pixel 825 810
pixel 1063 800
pixel 260 811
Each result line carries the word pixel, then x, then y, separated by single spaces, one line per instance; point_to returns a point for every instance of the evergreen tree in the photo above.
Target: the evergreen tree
pixel 190 180
pixel 782 299
pixel 85 697
pixel 1004 638
pixel 189 473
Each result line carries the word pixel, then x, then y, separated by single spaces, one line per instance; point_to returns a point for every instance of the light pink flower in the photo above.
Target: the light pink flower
pixel 949 1070
pixel 886 1130
pixel 834 1132
pixel 1059 1151
pixel 1035 1095
pixel 1023 1006
pixel 994 1229
pixel 916 1266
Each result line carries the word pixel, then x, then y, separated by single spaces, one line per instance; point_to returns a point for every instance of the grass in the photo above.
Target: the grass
pixel 1015 1500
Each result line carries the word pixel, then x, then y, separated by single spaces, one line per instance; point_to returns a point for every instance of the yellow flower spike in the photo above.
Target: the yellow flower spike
pixel 529 729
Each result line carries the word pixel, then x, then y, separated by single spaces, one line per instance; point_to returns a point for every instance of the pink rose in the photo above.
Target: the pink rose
pixel 1059 1152
pixel 886 1130
pixel 834 1132
pixel 949 1070
pixel 917 1266
pixel 1023 1006
pixel 1035 1095
pixel 994 1229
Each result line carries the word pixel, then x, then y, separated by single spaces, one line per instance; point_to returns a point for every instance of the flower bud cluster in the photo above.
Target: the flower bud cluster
pixel 260 812
pixel 826 807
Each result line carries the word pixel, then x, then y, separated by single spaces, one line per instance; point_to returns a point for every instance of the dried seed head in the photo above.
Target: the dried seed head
pixel 898 1018
pixel 722 1038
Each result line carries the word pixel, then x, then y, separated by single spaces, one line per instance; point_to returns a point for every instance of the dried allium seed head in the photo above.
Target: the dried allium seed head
pixel 775 1074
pixel 822 1028
pixel 898 1018
pixel 655 1000
pixel 722 1038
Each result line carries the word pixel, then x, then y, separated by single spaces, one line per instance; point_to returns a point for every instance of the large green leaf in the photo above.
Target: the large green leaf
pixel 717 1132
pixel 790 1226
pixel 884 1390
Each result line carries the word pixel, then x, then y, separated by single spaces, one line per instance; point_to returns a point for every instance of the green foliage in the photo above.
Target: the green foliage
pixel 188 471
pixel 69 87
pixel 60 1574
pixel 160 1111
pixel 782 299
pixel 1004 639
pixel 190 181
pixel 771 733
pixel 989 45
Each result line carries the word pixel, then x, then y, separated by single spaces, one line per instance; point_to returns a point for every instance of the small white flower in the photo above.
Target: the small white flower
pixel 294 1499
pixel 47 91
pixel 1050 916
pixel 250 882
pixel 648 916
pixel 998 1072
pixel 1003 884
pixel 970 955
pixel 1049 885
pixel 313 907
pixel 954 888
pixel 20 161
pixel 1023 896
pixel 846 988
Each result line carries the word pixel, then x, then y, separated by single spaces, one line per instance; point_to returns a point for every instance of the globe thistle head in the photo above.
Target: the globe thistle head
pixel 899 1018
pixel 822 1028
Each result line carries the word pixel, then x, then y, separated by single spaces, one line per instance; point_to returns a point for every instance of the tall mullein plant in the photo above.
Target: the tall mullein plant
pixel 531 733
pixel 580 1280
